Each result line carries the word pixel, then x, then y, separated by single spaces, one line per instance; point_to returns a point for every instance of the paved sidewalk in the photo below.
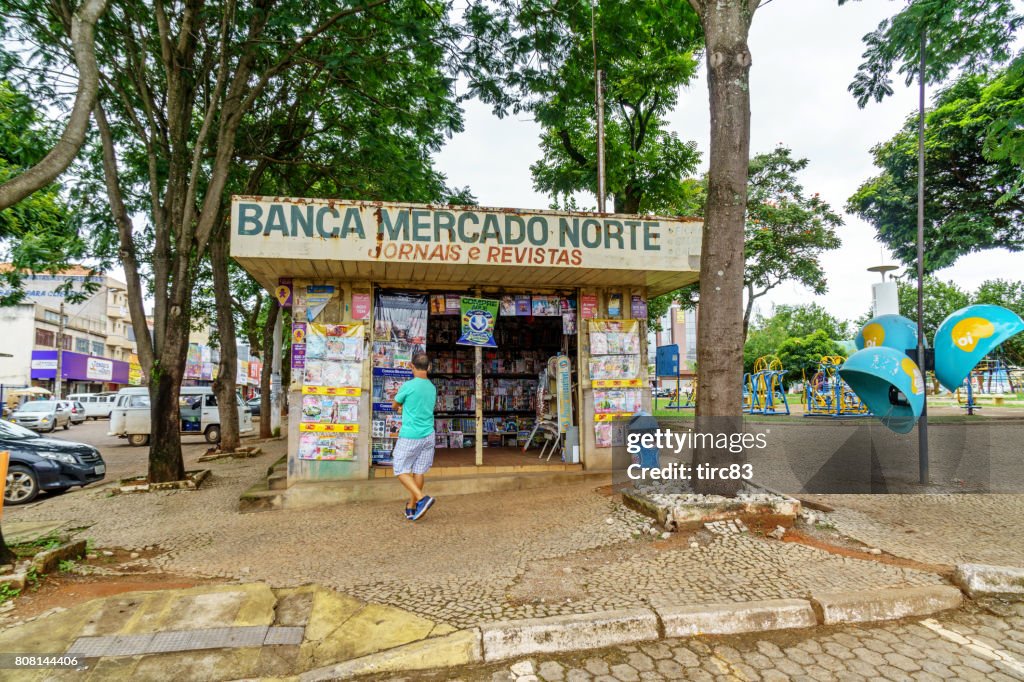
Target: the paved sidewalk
pixel 216 633
pixel 473 559
pixel 979 646
pixel 936 529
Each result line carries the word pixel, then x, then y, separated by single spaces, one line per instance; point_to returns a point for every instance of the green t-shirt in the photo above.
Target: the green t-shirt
pixel 417 398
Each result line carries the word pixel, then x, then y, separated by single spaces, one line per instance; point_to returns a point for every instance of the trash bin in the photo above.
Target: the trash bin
pixel 641 423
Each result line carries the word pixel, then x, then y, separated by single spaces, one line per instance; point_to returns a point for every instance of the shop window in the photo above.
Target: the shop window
pixel 45 337
pixel 81 345
pixel 66 342
pixel 97 348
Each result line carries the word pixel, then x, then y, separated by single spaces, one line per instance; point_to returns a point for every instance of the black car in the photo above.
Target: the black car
pixel 254 406
pixel 48 464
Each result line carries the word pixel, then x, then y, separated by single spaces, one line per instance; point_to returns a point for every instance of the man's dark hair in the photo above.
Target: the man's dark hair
pixel 421 361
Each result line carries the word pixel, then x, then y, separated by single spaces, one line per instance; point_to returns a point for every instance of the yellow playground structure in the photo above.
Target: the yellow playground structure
pixel 763 389
pixel 827 395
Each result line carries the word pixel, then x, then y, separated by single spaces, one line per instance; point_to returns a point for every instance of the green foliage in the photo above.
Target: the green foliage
pixel 970 199
pixel 539 58
pixel 786 230
pixel 66 565
pixel 39 233
pixel 800 354
pixel 768 334
pixel 940 300
pixel 7 593
pixel 964 35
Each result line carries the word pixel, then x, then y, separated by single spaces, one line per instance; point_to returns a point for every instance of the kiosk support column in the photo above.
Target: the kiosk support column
pixel 478 372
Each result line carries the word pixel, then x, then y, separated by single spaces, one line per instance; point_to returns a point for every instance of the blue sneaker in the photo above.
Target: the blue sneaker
pixel 409 511
pixel 422 506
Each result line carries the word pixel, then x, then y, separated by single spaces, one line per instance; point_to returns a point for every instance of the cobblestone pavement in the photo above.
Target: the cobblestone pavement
pixel 936 529
pixel 474 558
pixel 960 646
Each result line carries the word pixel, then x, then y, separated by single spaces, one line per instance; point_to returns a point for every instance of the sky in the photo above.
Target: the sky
pixel 805 53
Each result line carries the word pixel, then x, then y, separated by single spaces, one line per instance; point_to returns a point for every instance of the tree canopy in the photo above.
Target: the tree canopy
pixel 40 232
pixel 973 165
pixel 787 230
pixel 541 59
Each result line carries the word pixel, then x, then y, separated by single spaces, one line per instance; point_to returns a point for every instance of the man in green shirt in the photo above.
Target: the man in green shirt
pixel 414 452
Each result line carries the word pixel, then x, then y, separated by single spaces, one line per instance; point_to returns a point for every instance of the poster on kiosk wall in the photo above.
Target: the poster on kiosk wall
pixel 478 317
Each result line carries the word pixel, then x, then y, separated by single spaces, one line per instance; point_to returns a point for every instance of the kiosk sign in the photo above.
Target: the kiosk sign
pixel 265 227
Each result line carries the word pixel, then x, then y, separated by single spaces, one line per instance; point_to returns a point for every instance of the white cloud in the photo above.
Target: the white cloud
pixel 805 53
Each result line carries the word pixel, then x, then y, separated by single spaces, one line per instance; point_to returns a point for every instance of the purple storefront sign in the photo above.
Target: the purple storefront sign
pixel 78 367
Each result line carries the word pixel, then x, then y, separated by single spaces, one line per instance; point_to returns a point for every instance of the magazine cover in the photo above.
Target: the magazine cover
pixel 598 343
pixel 313 373
pixel 524 306
pixel 507 306
pixel 603 434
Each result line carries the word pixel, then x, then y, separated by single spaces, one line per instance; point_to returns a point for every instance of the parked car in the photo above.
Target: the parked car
pixel 97 405
pixel 42 415
pixel 39 463
pixel 78 413
pixel 254 406
pixel 199 414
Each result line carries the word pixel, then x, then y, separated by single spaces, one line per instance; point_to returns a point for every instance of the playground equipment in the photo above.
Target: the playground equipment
pixel 891 385
pixel 763 389
pixel 992 377
pixel 827 395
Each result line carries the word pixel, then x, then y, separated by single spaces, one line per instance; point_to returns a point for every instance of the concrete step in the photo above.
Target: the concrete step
pixel 278 480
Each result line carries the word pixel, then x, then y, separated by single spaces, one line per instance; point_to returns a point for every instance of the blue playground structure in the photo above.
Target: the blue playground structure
pixel 827 395
pixel 763 389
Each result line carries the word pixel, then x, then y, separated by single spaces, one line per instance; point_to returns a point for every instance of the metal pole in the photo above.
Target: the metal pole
pixel 275 375
pixel 599 105
pixel 58 384
pixel 922 425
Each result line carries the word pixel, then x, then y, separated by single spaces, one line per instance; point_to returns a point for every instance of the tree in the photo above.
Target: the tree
pixel 800 355
pixel 80 25
pixel 970 201
pixel 177 85
pixel 786 231
pixel 720 333
pixel 39 233
pixel 542 60
pixel 940 300
pixel 768 334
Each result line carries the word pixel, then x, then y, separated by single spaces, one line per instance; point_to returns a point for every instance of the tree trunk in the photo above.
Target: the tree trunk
pixel 6 555
pixel 83 29
pixel 720 334
pixel 165 460
pixel 225 386
pixel 747 312
pixel 268 354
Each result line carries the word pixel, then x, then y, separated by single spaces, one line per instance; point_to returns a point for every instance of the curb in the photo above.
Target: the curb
pixel 833 608
pixel 981 580
pixel 512 638
pixel 503 640
pixel 730 619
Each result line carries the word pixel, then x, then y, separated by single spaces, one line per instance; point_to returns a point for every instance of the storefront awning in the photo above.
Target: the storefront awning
pixel 78 367
pixel 414 244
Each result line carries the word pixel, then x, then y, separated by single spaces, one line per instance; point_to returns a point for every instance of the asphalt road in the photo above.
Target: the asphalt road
pixel 122 460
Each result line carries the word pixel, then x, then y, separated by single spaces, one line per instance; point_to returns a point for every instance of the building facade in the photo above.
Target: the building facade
pixel 89 340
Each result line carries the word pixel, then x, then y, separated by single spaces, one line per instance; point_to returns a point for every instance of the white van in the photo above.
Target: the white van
pixel 97 405
pixel 130 417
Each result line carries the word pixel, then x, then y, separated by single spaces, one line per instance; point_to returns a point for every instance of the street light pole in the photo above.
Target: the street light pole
pixel 922 425
pixel 57 381
pixel 599 105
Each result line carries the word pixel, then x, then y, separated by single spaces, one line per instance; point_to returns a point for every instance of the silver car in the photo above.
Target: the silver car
pixel 42 415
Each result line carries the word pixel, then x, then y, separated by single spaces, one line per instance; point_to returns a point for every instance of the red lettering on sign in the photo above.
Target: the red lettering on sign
pixel 577 257
pixel 404 251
